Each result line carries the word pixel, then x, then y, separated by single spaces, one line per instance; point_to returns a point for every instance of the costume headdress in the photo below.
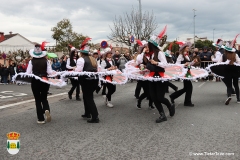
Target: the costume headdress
pixel 230 45
pixel 219 43
pixel 38 51
pixel 71 47
pixel 141 44
pixel 183 44
pixel 156 39
pixel 84 48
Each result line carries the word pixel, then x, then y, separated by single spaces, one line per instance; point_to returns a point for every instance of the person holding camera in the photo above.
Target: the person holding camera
pixel 121 62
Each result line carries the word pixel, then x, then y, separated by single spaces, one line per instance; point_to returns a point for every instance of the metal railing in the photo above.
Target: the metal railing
pixel 205 64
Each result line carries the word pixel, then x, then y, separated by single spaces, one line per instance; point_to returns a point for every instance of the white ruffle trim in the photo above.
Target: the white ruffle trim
pixel 61 83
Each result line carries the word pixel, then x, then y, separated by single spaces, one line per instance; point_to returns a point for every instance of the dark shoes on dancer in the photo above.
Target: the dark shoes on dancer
pixel 95 120
pixel 92 120
pixel 189 105
pixel 172 110
pixel 86 116
pixel 69 96
pixel 185 104
pixel 162 118
pixel 228 100
pixel 137 97
pixel 151 107
pixel 139 105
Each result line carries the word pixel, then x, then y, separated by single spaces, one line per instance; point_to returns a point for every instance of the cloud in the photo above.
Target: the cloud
pixel 34 20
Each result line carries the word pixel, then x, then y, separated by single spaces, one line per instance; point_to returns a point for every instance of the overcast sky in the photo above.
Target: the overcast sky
pixel 34 19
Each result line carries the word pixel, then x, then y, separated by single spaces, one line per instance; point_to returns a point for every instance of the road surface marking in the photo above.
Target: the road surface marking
pixel 201 84
pixel 31 100
pixel 11 94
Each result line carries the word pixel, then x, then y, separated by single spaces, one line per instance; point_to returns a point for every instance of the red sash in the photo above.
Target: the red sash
pixel 151 74
pixel 45 78
pixel 109 78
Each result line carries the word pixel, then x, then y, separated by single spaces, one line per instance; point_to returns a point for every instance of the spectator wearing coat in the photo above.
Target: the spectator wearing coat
pixel 56 66
pixel 5 74
pixel 121 63
pixel 205 56
pixel 11 71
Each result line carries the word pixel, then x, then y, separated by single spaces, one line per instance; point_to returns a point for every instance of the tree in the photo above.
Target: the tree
pixel 174 48
pixel 140 26
pixel 64 35
pixel 201 44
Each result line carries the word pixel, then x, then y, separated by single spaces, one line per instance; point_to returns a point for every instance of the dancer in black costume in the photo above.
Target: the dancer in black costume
pixel 183 58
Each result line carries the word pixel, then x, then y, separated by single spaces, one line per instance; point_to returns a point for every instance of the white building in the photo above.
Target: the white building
pixel 196 39
pixel 14 42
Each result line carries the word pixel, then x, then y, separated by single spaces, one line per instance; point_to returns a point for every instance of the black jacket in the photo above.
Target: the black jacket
pixel 63 66
pixel 11 70
pixel 5 71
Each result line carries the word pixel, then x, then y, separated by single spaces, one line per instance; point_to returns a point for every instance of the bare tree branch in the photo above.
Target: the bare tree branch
pixel 132 24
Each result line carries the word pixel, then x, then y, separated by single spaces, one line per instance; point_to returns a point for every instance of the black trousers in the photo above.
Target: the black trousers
pixel 157 93
pixel 224 81
pixel 111 89
pixel 138 89
pixel 169 84
pixel 187 89
pixel 229 80
pixel 145 86
pixel 75 84
pixel 88 87
pixel 103 85
pixel 40 90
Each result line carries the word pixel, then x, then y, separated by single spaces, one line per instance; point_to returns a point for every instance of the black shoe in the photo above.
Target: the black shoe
pixel 139 105
pixel 151 107
pixel 78 99
pixel 176 89
pixel 228 100
pixel 95 120
pixel 69 96
pixel 172 110
pixel 86 116
pixel 162 118
pixel 137 97
pixel 189 105
pixel 172 100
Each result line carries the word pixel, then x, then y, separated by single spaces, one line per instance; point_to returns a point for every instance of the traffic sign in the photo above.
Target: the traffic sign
pixel 132 39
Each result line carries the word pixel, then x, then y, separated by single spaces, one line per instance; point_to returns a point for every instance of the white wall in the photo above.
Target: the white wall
pixel 15 43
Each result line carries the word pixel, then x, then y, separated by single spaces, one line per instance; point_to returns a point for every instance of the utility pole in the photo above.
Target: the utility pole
pixel 140 17
pixel 213 34
pixel 194 26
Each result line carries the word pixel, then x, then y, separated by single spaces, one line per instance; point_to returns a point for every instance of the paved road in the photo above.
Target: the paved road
pixel 125 132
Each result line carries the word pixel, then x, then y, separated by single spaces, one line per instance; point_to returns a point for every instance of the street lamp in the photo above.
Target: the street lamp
pixel 213 34
pixel 194 26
